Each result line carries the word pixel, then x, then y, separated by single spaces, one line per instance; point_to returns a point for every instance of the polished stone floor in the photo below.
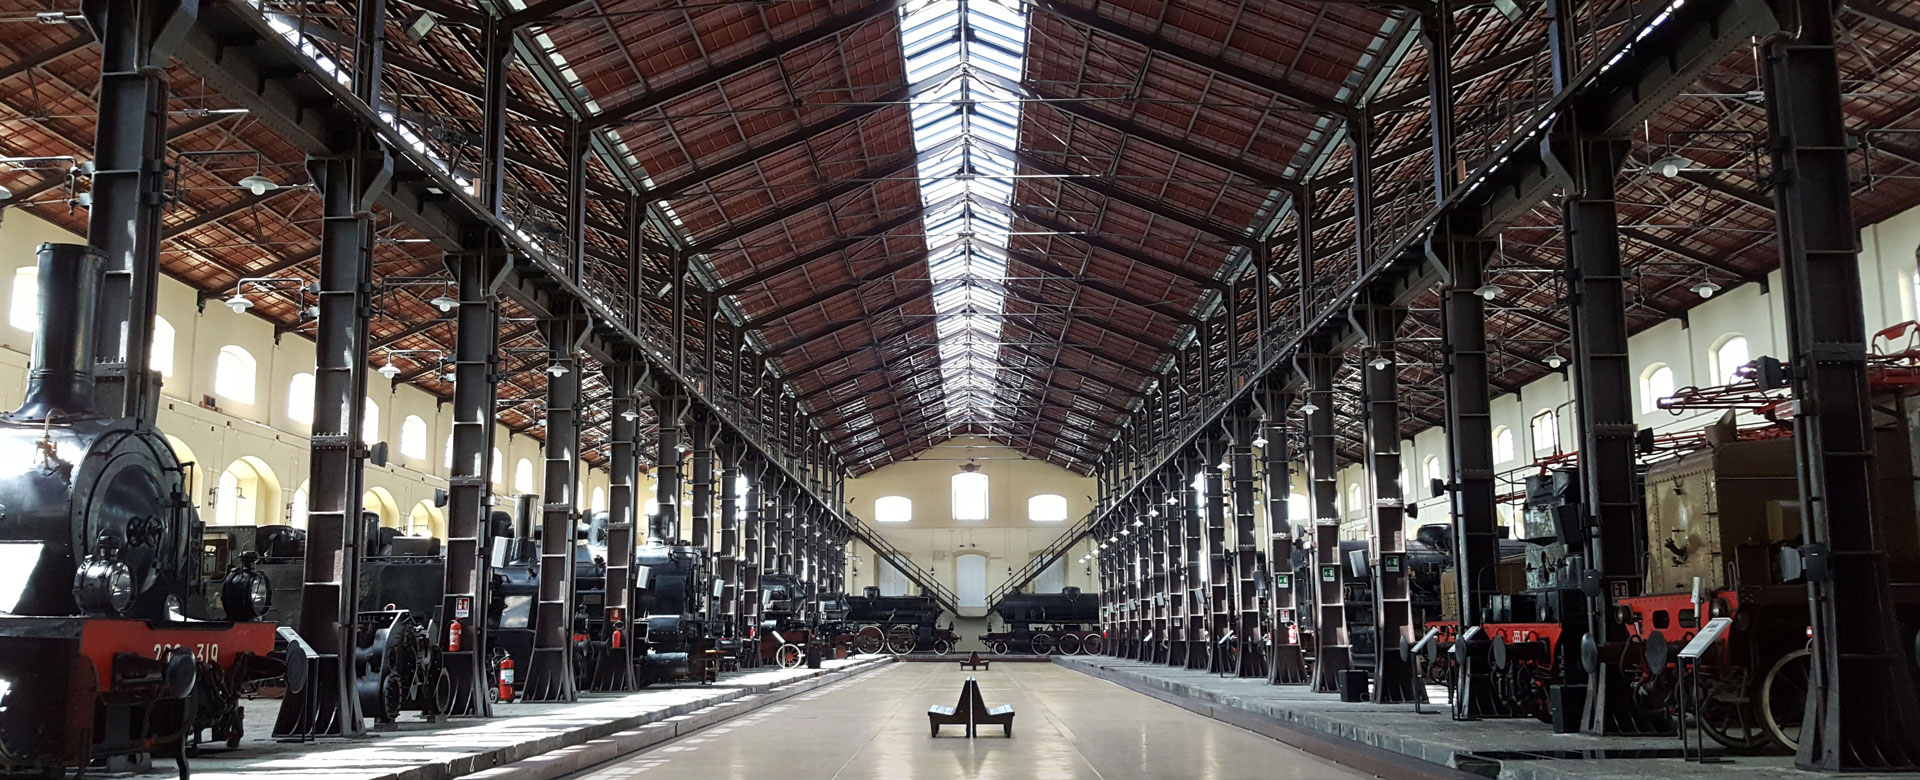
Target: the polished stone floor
pixel 1069 725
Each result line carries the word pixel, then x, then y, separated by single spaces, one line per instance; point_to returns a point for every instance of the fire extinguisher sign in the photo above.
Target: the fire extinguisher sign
pixel 463 607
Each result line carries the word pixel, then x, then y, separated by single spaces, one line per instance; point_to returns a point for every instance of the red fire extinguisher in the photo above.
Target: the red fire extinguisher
pixel 619 639
pixel 453 636
pixel 506 676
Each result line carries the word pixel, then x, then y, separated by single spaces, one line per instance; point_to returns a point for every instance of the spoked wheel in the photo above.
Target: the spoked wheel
pixel 870 639
pixel 1783 697
pixel 1041 644
pixel 942 647
pixel 1731 719
pixel 1001 647
pixel 789 656
pixel 1069 644
pixel 900 640
pixel 1090 644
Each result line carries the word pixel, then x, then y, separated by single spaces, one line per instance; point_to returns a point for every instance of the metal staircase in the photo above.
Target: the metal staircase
pixel 1054 551
pixel 894 557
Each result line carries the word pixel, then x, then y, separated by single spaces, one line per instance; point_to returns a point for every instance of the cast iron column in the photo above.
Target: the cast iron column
pixel 1243 427
pixel 329 704
pixel 550 674
pixel 614 667
pixel 1860 712
pixel 1392 600
pixel 1476 548
pixel 1286 661
pixel 1173 519
pixel 726 553
pixel 1331 654
pixel 670 409
pixel 704 428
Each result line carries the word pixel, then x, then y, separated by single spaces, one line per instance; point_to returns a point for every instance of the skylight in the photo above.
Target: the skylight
pixel 959 53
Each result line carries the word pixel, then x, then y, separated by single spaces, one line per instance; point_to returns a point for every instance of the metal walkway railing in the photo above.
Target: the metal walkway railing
pixel 1054 551
pixel 899 560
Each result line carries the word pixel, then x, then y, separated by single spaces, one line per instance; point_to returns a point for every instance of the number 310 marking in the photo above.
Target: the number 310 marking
pixel 204 652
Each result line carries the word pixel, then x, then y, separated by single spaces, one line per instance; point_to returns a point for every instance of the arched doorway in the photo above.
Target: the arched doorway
pixel 247 494
pixel 191 466
pixel 380 502
pixel 426 520
pixel 297 510
pixel 970 580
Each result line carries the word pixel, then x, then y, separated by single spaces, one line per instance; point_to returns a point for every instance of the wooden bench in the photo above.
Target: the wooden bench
pixel 974 662
pixel 940 715
pixel 987 716
pixel 971 711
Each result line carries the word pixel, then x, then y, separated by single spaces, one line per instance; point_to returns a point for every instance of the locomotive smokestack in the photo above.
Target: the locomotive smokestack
pixel 61 382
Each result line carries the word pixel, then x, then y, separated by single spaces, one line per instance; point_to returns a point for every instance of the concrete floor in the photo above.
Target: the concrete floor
pixel 1069 725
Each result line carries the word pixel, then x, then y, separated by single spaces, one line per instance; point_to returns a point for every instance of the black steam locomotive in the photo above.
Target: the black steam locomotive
pixel 109 649
pixel 1043 623
pixel 897 624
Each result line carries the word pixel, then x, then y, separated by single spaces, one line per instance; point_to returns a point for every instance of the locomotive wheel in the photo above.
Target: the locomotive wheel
pixel 1090 644
pixel 1069 644
pixel 1001 648
pixel 870 639
pixel 1041 644
pixel 1783 697
pixel 942 647
pixel 789 656
pixel 1731 719
pixel 900 640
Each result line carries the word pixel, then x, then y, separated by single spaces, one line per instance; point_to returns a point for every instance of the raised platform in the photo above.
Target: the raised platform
pixel 539 741
pixel 1507 749
pixel 956 656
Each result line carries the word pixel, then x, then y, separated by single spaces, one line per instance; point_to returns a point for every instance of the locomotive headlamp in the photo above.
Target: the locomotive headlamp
pixel 103 586
pixel 246 594
pixel 1720 608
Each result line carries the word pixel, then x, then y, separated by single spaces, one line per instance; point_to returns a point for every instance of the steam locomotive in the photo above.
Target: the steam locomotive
pixel 1043 623
pixel 897 624
pixel 110 651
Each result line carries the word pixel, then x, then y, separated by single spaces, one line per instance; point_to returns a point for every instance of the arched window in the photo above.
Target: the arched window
pixel 1546 432
pixel 1299 510
pixel 969 496
pixel 300 399
pixel 161 358
pixel 1728 356
pixel 1354 501
pixel 23 308
pixel 892 509
pixel 297 511
pixel 1047 508
pixel 1655 383
pixel 370 422
pixel 495 475
pixel 446 458
pixel 599 501
pixel 413 437
pixel 1431 467
pixel 1502 444
pixel 523 476
pixel 234 374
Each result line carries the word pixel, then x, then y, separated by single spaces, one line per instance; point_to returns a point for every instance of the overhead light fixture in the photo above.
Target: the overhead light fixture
pixel 1488 291
pixel 557 370
pixel 1379 363
pixel 1126 532
pixel 5 194
pixel 313 312
pixel 629 415
pixel 258 185
pixel 1259 441
pixel 1153 512
pixel 1555 361
pixel 444 303
pixel 419 26
pixel 389 370
pixel 1309 407
pixel 1137 522
pixel 1706 289
pixel 1223 464
pixel 1671 165
pixel 447 377
pixel 239 303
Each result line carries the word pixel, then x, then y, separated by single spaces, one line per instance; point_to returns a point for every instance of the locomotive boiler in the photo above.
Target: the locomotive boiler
pixel 674 589
pixel 1043 623
pixel 109 651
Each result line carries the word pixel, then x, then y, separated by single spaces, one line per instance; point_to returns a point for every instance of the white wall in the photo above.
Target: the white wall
pixel 933 539
pixel 218 437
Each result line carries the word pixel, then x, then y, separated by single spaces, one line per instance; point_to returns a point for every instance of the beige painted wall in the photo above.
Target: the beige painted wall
pixel 217 438
pixel 933 539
